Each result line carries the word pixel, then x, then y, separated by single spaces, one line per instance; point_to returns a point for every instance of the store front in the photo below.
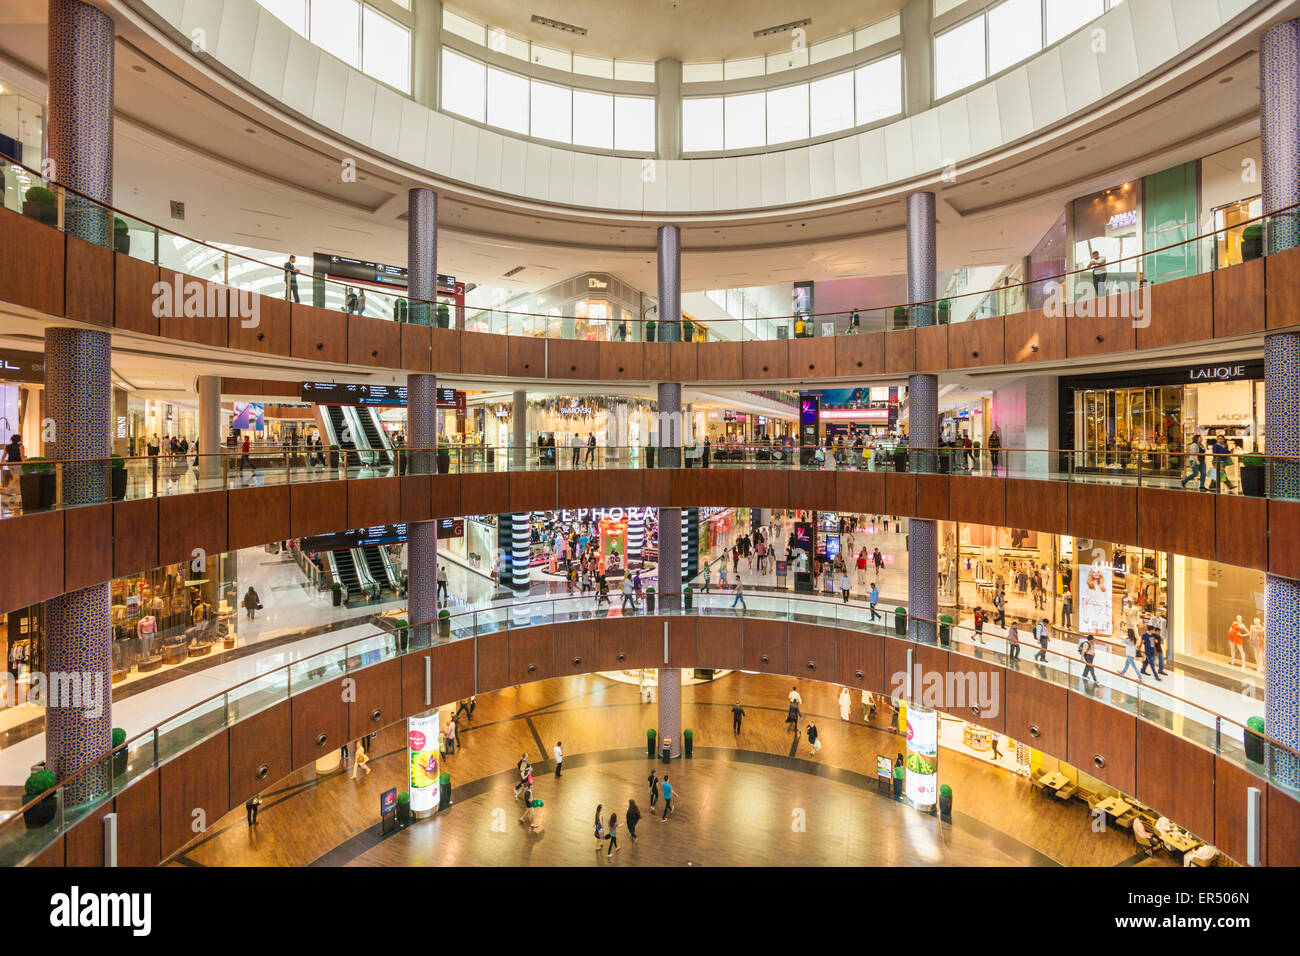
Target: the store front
pixel 1121 422
pixel 22 377
pixel 1108 223
pixel 590 306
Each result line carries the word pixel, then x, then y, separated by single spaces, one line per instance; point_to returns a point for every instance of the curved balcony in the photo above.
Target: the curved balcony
pixel 1192 765
pixel 167 512
pixel 244 305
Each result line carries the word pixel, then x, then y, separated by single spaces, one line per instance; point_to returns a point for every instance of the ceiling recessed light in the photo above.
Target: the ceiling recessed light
pixel 138 68
pixel 250 131
pixel 1226 79
pixel 1080 149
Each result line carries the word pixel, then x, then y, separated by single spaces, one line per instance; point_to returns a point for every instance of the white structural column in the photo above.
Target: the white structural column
pixel 209 389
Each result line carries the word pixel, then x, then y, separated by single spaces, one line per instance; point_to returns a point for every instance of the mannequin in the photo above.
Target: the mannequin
pixel 1236 633
pixel 1257 644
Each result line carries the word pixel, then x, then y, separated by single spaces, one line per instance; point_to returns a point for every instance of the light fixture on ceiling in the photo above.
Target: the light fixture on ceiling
pixel 138 68
pixel 1226 79
pixel 783 28
pixel 559 25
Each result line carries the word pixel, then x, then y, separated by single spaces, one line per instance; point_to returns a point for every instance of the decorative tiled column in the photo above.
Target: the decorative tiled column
pixel 923 421
pixel 422 536
pixel 78 649
pixel 670 284
pixel 1279 89
pixel 670 519
pixel 670 707
pixel 422 253
pixel 79 115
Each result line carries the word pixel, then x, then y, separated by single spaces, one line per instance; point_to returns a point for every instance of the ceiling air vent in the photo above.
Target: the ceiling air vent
pixel 178 209
pixel 513 272
pixel 783 28
pixel 559 25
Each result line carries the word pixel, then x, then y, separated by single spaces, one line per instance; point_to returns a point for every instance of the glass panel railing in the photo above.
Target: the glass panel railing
pixel 72 800
pixel 1083 291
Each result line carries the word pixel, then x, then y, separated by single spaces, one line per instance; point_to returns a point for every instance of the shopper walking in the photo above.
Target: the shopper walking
pixel 629 596
pixel 846 702
pixel 612 836
pixel 576 444
pixel 1043 632
pixel 1067 609
pixel 1196 461
pixel 442 582
pixel 524 773
pixel 667 789
pixel 600 827
pixel 632 816
pixel 878 560
pixel 252 603
pixel 737 715
pixel 591 448
pixel 653 781
pixel 251 807
pixel 1149 654
pixel 558 751
pixel 845 587
pixel 529 799
pixel 1013 644
pixel 1089 653
pixel 978 634
pixel 814 742
pixel 739 595
pixel 873 596
pixel 1130 655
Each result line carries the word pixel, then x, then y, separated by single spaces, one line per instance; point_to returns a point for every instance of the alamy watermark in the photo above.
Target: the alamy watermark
pixel 192 298
pixel 61 690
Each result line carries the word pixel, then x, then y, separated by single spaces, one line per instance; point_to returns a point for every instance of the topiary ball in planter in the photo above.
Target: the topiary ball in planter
pixel 40 204
pixel 945 803
pixel 1254 739
pixel 39 814
pixel 403 808
pixel 650 743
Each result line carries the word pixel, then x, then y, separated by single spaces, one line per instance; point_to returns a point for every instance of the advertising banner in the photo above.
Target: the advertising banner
pixel 1094 589
pixel 422 751
pixel 920 778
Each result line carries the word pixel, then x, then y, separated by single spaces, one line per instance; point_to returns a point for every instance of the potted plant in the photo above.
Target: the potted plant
pixel 900 316
pixel 443 315
pixel 945 459
pixel 119 756
pixel 1252 242
pixel 444 456
pixel 688 600
pixel 118 476
pixel 650 600
pixel 401 631
pixel 444 790
pixel 945 310
pixel 898 783
pixel 1252 475
pixel 336 592
pixel 650 743
pixel 1254 738
pixel 37 484
pixel 945 803
pixel 900 621
pixel 650 330
pixel 444 623
pixel 688 743
pixel 404 808
pixel 40 204
pixel 334 456
pixel 121 237
pixel 945 629
pixel 688 330
pixel 41 813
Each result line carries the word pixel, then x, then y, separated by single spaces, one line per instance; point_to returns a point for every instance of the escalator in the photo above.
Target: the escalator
pixel 339 429
pixel 378 567
pixel 345 572
pixel 373 437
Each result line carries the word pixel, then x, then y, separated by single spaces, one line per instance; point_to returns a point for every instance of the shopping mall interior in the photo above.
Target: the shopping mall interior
pixel 457 433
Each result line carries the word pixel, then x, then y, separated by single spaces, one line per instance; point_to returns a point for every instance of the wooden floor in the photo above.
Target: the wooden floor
pixel 743 798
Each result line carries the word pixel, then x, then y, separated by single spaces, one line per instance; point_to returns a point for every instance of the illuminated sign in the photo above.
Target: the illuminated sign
pixel 1216 373
pixel 921 766
pixel 422 753
pixel 1122 219
pixel 594 283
